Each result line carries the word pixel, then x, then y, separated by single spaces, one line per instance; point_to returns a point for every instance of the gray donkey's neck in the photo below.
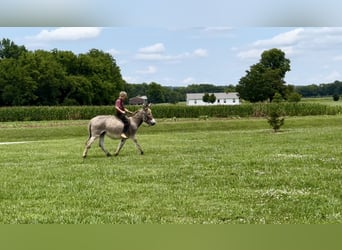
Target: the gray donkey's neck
pixel 138 117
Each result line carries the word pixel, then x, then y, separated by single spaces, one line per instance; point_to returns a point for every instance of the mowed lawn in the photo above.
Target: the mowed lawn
pixel 193 171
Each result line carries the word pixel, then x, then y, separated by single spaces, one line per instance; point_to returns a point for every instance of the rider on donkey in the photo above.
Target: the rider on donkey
pixel 121 112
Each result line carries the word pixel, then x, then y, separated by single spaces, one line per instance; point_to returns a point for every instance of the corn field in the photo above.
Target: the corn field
pixel 40 113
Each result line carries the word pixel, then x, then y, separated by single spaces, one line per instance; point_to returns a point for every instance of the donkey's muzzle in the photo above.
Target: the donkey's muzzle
pixel 153 122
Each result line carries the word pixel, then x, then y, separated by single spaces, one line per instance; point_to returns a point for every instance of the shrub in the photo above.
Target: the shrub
pixel 294 97
pixel 277 98
pixel 275 117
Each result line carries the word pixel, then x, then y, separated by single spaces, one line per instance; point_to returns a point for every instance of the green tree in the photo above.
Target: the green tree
pixel 212 98
pixel 204 88
pixel 294 97
pixel 277 97
pixel 105 76
pixel 275 120
pixel 57 77
pixel 171 96
pixel 275 116
pixel 253 87
pixel 77 90
pixel 68 60
pixel 49 75
pixel 275 59
pixel 230 88
pixel 8 49
pixel 308 91
pixel 336 97
pixel 155 93
pixel 206 97
pixel 265 78
pixel 17 86
pixel 137 89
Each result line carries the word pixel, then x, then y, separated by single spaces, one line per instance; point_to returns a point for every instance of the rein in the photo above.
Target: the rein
pixel 140 118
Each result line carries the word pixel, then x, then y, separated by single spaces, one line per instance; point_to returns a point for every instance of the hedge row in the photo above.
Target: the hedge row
pixel 246 110
pixel 166 111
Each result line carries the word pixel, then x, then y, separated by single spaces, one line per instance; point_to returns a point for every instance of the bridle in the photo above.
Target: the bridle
pixel 146 118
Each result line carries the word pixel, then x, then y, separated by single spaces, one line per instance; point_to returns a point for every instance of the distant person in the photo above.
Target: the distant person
pixel 121 112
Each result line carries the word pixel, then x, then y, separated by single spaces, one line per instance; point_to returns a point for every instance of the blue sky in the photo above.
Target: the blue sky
pixel 184 42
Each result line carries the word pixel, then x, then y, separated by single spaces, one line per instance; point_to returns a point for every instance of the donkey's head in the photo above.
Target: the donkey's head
pixel 148 117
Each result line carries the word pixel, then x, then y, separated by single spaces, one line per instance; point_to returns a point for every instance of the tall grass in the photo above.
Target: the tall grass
pixel 166 111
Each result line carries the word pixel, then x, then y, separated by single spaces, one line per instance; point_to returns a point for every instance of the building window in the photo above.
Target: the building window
pixel 195 101
pixel 233 100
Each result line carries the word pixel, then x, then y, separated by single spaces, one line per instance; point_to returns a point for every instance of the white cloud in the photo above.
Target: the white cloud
pixel 151 57
pixel 332 76
pixel 188 80
pixel 212 32
pixel 200 53
pixel 130 79
pixel 67 34
pixel 113 52
pixel 148 71
pixel 283 39
pixel 250 54
pixel 157 51
pixel 337 58
pixel 153 49
pixel 315 37
pixel 295 42
pixel 255 54
pixel 218 29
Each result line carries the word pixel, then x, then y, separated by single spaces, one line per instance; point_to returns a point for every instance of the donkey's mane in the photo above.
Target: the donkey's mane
pixel 136 112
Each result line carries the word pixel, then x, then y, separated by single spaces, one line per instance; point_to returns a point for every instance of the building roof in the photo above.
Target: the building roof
pixel 140 97
pixel 199 96
pixel 137 100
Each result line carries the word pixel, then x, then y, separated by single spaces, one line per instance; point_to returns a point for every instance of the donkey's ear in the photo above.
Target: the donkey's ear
pixel 147 105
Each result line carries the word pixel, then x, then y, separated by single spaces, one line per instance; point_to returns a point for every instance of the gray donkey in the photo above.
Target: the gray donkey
pixel 109 125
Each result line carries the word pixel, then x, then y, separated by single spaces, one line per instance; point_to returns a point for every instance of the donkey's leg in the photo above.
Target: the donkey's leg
pixel 122 142
pixel 138 146
pixel 88 145
pixel 101 144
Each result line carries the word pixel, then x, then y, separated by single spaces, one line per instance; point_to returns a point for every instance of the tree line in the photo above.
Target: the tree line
pixel 319 90
pixel 63 78
pixel 157 93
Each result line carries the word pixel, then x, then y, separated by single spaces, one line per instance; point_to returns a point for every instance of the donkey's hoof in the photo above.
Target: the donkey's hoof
pixel 141 152
pixel 108 155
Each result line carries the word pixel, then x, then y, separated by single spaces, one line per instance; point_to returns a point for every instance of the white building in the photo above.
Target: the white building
pixel 195 99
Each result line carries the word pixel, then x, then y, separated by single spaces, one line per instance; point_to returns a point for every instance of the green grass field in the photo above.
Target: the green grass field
pixel 193 171
pixel 322 100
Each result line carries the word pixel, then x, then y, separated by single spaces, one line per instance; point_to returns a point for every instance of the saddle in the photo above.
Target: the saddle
pixel 125 120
